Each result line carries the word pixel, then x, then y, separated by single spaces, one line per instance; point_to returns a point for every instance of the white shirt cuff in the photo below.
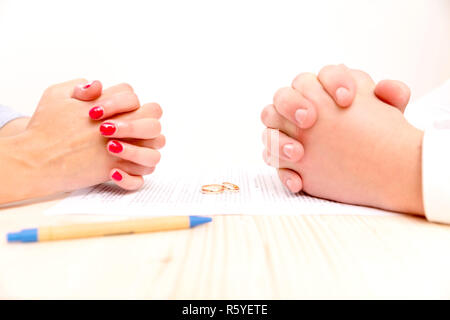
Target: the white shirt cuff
pixel 436 174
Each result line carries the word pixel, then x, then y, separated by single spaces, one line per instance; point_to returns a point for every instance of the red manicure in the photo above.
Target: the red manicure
pixel 115 146
pixel 117 176
pixel 96 112
pixel 107 128
pixel 87 86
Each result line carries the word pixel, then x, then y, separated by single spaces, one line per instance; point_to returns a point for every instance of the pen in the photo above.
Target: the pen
pixel 106 228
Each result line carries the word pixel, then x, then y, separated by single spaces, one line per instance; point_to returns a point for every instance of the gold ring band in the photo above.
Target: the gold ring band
pixel 230 186
pixel 213 188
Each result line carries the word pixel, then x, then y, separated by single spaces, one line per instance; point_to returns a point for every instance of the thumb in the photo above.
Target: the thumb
pixel 393 92
pixel 87 91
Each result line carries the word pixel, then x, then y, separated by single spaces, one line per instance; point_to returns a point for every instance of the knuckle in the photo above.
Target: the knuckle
pixel 130 129
pixel 271 117
pixel 148 170
pixel 156 109
pixel 134 100
pixel 161 141
pixel 156 127
pixel 156 157
pixel 150 157
pixel 326 70
pixel 51 90
pixel 280 95
pixel 331 72
pixel 361 76
pixel 131 152
pixel 297 132
pixel 266 113
pixel 301 78
pixel 283 175
pixel 342 66
pixel 286 103
pixel 152 110
pixel 126 87
pixel 80 80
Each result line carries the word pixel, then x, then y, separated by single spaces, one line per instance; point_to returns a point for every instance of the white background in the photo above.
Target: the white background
pixel 213 65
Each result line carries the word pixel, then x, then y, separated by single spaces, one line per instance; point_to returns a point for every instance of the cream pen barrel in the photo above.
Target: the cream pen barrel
pixel 89 230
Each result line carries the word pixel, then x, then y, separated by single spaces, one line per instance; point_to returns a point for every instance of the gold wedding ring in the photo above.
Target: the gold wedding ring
pixel 213 188
pixel 230 186
pixel 220 188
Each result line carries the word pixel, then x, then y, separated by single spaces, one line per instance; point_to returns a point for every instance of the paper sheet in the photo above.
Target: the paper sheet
pixel 261 193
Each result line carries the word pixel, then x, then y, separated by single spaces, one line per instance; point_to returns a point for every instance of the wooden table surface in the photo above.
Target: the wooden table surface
pixel 234 257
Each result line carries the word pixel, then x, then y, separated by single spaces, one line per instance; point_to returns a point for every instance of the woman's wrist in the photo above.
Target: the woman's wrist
pixel 14 127
pixel 24 174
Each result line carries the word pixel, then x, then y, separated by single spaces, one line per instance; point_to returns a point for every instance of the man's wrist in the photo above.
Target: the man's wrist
pixel 410 189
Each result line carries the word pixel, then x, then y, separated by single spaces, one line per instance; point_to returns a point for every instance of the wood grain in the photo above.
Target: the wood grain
pixel 234 257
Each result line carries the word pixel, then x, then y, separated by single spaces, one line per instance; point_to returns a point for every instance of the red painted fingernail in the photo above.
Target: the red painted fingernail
pixel 107 128
pixel 117 176
pixel 87 85
pixel 115 146
pixel 96 112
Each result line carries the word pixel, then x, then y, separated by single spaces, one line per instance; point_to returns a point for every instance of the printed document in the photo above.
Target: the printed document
pixel 261 193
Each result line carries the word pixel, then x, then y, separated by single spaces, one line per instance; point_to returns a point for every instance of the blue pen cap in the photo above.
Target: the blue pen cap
pixel 196 220
pixel 26 235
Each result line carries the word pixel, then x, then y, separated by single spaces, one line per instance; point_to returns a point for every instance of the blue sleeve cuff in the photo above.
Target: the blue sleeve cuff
pixel 7 114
